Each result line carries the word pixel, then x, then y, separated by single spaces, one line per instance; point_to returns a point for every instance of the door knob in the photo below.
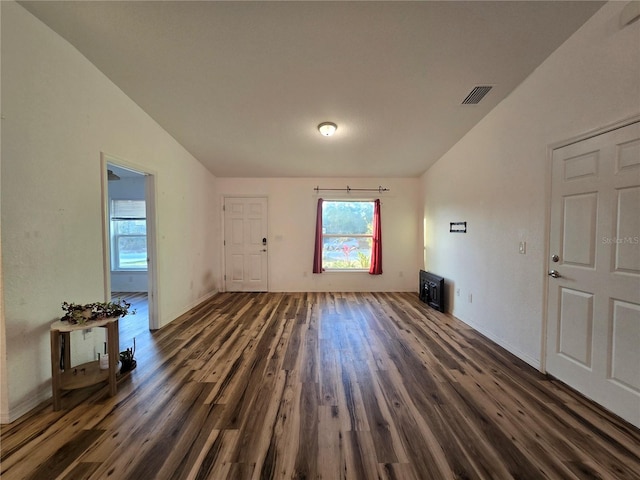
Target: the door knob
pixel 554 274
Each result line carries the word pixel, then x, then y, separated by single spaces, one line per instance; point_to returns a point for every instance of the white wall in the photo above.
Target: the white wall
pixel 59 114
pixel 292 216
pixel 496 179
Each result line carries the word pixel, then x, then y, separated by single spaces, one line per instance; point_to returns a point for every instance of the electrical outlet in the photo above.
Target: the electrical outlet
pixel 470 298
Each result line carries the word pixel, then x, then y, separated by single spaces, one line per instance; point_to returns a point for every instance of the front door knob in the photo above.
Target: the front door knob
pixel 554 274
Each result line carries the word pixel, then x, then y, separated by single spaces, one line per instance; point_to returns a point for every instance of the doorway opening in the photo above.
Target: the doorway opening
pixel 129 245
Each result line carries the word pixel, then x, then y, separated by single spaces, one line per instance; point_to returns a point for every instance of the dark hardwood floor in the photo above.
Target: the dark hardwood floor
pixel 136 325
pixel 322 385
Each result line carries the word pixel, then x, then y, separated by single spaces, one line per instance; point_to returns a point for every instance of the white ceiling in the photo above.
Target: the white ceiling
pixel 243 85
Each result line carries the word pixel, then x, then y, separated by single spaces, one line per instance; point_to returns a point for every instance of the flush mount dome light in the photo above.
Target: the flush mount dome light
pixel 327 128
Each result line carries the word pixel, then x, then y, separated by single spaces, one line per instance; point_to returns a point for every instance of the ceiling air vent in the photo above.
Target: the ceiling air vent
pixel 476 95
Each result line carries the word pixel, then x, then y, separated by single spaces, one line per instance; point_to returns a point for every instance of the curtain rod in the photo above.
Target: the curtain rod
pixel 380 189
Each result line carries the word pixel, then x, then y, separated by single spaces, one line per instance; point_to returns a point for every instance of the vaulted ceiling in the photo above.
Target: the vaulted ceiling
pixel 244 85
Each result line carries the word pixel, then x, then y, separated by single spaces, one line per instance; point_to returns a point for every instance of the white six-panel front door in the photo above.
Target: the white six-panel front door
pixel 593 334
pixel 245 244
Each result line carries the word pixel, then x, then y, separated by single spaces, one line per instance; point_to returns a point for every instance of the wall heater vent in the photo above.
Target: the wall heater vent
pixel 476 95
pixel 432 290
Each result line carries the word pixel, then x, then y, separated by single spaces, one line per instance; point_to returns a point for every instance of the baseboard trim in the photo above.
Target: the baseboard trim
pixel 535 363
pixel 188 307
pixel 25 407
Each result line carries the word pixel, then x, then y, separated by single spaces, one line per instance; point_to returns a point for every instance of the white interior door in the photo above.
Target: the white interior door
pixel 245 244
pixel 593 335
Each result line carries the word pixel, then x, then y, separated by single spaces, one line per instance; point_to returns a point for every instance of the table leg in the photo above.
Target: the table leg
pixel 55 369
pixel 66 336
pixel 113 348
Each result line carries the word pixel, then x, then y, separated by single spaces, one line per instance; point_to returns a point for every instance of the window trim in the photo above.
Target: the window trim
pixel 115 250
pixel 350 235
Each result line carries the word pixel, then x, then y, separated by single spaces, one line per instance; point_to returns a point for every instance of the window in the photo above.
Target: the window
pixel 129 234
pixel 347 234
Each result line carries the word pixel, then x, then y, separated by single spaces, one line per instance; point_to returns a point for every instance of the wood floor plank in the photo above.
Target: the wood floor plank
pixel 81 471
pixel 217 459
pixel 64 455
pixel 331 447
pixel 284 442
pixel 324 385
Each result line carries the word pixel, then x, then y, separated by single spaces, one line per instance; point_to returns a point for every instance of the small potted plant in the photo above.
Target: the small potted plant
pixel 80 314
pixel 127 360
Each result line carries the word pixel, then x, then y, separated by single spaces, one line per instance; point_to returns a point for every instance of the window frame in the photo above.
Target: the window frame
pixel 115 236
pixel 348 235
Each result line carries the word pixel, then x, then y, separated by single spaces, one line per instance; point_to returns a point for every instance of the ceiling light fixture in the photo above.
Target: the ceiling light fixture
pixel 327 128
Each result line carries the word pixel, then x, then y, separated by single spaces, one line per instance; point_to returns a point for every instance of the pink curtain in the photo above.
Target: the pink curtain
pixel 317 251
pixel 376 247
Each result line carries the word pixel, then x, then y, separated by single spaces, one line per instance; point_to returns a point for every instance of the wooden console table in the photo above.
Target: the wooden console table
pixel 86 374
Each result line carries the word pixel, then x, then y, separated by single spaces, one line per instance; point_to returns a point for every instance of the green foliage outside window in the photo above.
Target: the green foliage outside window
pixel 347 234
pixel 339 217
